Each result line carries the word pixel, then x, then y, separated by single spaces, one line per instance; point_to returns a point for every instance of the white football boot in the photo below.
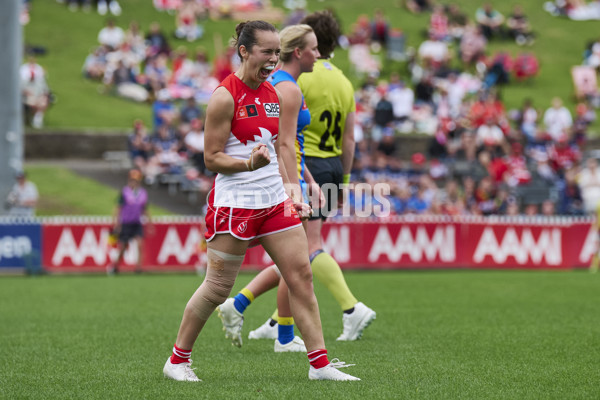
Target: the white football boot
pixel 180 372
pixel 296 345
pixel 330 372
pixel 355 323
pixel 265 331
pixel 232 320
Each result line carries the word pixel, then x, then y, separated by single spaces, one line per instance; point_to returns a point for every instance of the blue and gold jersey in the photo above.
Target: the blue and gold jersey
pixel 303 120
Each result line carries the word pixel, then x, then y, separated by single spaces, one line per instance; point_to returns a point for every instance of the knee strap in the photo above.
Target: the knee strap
pixel 221 272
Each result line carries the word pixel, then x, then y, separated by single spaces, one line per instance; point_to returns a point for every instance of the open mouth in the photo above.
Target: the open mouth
pixel 266 71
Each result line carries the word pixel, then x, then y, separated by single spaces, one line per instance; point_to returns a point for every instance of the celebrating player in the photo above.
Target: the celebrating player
pixel 249 202
pixel 298 55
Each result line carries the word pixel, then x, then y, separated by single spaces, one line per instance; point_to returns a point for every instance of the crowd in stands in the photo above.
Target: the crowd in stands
pixel 482 159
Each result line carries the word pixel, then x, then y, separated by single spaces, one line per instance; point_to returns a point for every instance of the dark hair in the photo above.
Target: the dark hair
pixel 326 29
pixel 245 34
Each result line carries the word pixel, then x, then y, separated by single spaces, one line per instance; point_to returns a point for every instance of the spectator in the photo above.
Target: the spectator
pixel 588 180
pixel 156 41
pixel 563 156
pixel 485 196
pixel 166 158
pixel 387 148
pixel 194 143
pixel 35 92
pixel 157 73
pixel 130 215
pixel 23 197
pixel 472 45
pixel 187 26
pixel 438 24
pixel 424 91
pixel 139 146
pixel 383 117
pixel 548 208
pixel 570 198
pixel 190 111
pixel 434 53
pixel 135 39
pixel 163 110
pixel 526 66
pixel 94 66
pixel 527 120
pixel 531 209
pixel 584 116
pixel 402 99
pixel 519 27
pixel 125 82
pixel 489 133
pixel 111 35
pixel 490 20
pixel 518 173
pixel 512 206
pixel 201 65
pixel 557 119
pixel 380 28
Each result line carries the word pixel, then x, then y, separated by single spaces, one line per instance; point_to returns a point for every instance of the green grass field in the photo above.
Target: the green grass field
pixel 438 335
pixel 69 37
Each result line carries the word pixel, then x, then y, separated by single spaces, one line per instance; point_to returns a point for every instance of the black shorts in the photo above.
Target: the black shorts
pixel 329 174
pixel 130 231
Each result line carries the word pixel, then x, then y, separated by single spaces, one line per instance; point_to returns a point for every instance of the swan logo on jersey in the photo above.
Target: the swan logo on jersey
pixel 272 109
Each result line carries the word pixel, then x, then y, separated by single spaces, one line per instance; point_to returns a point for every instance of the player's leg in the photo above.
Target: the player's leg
pixel 231 311
pixel 122 242
pixel 356 315
pixel 225 256
pixel 295 270
pixel 326 269
pixel 286 340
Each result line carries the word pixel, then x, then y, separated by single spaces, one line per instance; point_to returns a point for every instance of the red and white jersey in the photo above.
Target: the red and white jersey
pixel 255 121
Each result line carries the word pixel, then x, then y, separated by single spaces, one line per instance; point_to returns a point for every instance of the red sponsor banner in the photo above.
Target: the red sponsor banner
pixel 469 242
pixel 83 244
pixel 408 242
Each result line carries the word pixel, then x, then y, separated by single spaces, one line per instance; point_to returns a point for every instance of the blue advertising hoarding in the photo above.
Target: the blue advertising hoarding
pixel 20 243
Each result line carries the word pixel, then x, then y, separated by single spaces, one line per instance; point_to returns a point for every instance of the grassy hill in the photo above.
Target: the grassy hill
pixel 69 37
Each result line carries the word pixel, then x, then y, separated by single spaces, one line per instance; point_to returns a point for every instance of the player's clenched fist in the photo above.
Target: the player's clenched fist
pixel 258 158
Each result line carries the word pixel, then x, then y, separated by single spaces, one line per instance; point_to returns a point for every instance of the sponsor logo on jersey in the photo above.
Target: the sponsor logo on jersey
pixel 272 109
pixel 247 111
pixel 257 101
pixel 241 98
pixel 252 110
pixel 242 227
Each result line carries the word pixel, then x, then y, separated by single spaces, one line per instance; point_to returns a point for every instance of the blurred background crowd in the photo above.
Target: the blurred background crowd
pixel 481 158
